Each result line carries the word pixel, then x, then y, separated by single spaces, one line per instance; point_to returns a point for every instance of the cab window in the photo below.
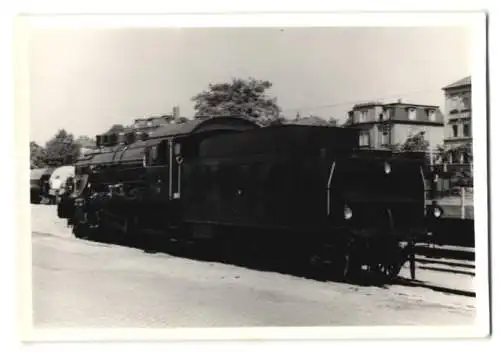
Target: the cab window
pixel 157 155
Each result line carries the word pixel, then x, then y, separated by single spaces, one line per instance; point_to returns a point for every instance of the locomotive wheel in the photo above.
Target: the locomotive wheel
pixel 390 267
pixel 389 270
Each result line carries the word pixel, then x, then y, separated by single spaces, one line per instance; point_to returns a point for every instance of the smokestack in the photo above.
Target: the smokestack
pixel 176 112
pixel 400 100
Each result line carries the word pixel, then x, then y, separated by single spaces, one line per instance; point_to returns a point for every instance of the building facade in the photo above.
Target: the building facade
pixel 383 126
pixel 458 114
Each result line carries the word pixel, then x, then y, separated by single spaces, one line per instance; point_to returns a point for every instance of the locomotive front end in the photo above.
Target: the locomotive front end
pixel 378 204
pixel 381 195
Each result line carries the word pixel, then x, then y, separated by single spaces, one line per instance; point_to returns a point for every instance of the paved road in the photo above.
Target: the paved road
pixel 79 283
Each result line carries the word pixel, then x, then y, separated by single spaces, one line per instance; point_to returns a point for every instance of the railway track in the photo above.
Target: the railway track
pixel 445 269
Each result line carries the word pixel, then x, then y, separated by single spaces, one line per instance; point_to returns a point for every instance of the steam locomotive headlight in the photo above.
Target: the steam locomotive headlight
pixel 387 168
pixel 347 213
pixel 437 212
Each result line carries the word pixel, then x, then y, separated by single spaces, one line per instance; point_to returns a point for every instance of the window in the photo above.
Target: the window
pixel 157 154
pixel 466 130
pixel 412 114
pixel 363 116
pixel 431 115
pixel 387 114
pixel 455 102
pixel 154 153
pixel 455 130
pixel 384 138
pixel 466 103
pixel 364 139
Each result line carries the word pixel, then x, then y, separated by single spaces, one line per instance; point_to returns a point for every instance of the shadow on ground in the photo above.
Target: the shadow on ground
pixel 269 262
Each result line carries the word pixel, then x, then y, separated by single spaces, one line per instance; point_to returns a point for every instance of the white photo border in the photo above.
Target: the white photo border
pixel 477 23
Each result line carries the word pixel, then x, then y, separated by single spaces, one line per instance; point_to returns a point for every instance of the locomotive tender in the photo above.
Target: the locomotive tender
pixel 304 192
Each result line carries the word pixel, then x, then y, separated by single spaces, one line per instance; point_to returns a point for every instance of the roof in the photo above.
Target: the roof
pixel 39 172
pixel 175 129
pixel 367 104
pixel 401 104
pixel 287 140
pixel 411 105
pixel 466 81
pixel 63 172
pixel 200 124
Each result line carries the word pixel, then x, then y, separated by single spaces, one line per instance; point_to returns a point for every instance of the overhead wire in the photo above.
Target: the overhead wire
pixel 400 95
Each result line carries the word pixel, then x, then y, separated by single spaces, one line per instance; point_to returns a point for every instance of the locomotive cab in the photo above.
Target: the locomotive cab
pixel 163 161
pixel 163 169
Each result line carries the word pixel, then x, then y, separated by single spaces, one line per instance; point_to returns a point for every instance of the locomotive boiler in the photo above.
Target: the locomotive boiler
pixel 301 192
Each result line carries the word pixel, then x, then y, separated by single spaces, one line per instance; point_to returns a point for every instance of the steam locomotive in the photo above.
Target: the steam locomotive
pixel 306 193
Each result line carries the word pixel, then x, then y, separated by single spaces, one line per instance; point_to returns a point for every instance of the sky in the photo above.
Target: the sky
pixel 86 80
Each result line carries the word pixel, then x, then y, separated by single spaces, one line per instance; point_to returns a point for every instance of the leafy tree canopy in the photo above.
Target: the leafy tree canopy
pixel 61 149
pixel 464 150
pixel 37 156
pixel 115 128
pixel 415 143
pixel 85 141
pixel 239 97
pixel 314 120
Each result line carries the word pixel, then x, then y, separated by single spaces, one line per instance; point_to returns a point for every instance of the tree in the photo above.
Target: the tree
pixel 333 122
pixel 85 141
pixel 240 97
pixel 85 144
pixel 463 177
pixel 415 143
pixel 37 156
pixel 462 157
pixel 115 128
pixel 461 153
pixel 61 149
pixel 415 146
pixel 311 120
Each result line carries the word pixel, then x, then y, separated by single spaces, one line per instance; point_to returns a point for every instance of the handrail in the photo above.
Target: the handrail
pixel 328 189
pixel 170 176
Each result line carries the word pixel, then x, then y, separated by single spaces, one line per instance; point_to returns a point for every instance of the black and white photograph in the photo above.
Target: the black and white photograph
pixel 219 176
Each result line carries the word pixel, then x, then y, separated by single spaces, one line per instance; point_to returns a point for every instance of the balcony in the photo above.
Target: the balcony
pixel 457 139
pixel 456 114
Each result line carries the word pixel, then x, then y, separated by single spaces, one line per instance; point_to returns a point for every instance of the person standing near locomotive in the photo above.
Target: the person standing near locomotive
pixel 65 195
pixel 55 186
pixel 433 213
